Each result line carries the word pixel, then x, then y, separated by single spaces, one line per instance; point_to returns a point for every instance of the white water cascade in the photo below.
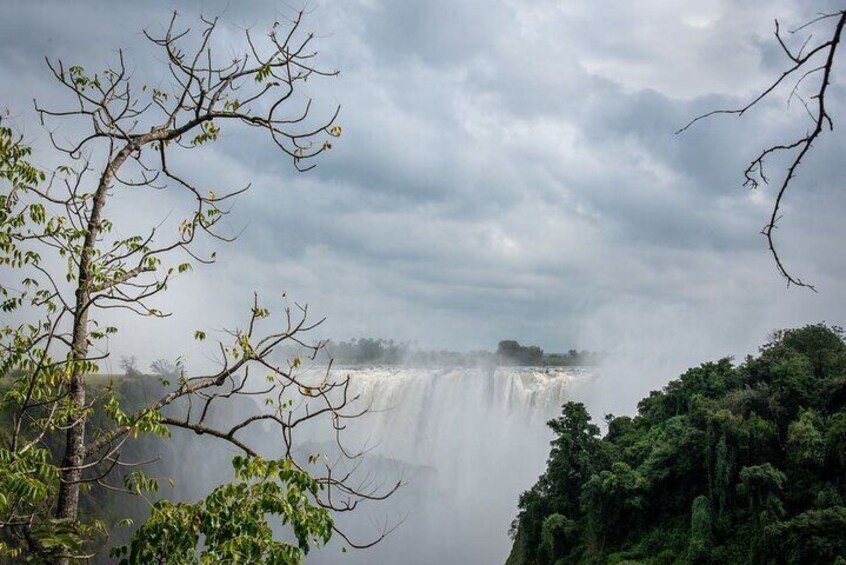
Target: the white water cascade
pixel 465 441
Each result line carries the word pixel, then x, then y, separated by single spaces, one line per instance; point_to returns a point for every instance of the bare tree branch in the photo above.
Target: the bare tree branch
pixel 802 66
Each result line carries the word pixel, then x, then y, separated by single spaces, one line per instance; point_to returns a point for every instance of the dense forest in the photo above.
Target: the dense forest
pixel 727 464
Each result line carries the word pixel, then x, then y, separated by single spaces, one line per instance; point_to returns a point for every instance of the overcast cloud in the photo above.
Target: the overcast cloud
pixel 507 170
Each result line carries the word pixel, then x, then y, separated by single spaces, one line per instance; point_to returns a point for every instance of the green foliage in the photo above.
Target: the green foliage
pixel 700 530
pixel 761 486
pixel 557 533
pixel 14 167
pixel 233 521
pixel 29 477
pixel 805 441
pixel 727 464
pixel 209 132
pixel 813 537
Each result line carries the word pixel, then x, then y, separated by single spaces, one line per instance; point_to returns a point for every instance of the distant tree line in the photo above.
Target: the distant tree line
pixel 511 352
pixel 573 358
pixel 370 351
pixel 373 351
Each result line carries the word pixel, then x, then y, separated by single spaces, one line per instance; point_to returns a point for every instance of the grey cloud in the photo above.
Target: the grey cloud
pixel 507 170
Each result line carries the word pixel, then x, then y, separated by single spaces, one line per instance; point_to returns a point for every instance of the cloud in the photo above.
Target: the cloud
pixel 507 170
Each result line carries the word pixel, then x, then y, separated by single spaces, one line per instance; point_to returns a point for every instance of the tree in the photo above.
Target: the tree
pixel 700 530
pixel 809 59
pixel 805 441
pixel 761 485
pixel 512 352
pixel 55 230
pixel 574 456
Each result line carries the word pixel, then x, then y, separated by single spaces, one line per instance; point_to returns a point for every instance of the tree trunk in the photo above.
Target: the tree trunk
pixel 67 506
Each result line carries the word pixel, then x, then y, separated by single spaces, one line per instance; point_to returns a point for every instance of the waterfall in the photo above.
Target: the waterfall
pixel 466 441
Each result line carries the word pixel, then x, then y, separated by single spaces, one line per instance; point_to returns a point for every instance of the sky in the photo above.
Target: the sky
pixel 508 170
